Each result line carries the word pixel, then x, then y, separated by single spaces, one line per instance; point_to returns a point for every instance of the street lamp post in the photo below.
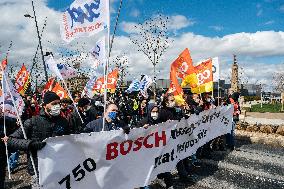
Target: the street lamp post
pixel 261 96
pixel 39 39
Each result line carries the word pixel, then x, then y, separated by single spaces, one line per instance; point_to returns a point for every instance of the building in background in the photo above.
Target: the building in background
pixel 235 75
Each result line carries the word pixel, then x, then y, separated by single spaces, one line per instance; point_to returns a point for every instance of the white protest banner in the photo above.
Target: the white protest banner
pixel 84 18
pixel 99 51
pixel 134 86
pixel 10 109
pixel 216 69
pixel 106 160
pixel 52 66
pixel 88 89
pixel 66 71
pixel 145 83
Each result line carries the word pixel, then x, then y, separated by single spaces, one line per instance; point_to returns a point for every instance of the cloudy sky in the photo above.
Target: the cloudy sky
pixel 253 30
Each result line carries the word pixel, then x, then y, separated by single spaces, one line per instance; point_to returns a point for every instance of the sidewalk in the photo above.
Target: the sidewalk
pixel 265 118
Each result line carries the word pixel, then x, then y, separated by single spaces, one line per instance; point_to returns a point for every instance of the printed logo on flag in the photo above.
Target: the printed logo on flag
pixel 84 18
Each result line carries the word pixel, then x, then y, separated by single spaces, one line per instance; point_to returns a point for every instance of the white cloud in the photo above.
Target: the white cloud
pixel 217 28
pixel 128 27
pixel 135 13
pixel 176 23
pixel 253 45
pixel 259 44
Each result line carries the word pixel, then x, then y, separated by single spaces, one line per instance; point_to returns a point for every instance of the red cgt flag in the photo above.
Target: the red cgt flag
pixel 48 86
pixel 22 80
pixel 60 91
pixel 4 63
pixel 111 84
pixel 183 64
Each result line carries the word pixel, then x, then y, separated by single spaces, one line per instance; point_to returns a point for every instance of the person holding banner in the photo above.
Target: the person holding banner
pixel 154 117
pixel 112 121
pixel 169 110
pixel 234 100
pixel 11 126
pixel 48 124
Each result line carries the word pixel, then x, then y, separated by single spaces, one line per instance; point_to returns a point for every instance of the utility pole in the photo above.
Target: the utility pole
pixel 39 39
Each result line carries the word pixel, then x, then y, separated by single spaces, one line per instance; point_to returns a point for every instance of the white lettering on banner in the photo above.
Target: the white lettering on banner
pixel 112 159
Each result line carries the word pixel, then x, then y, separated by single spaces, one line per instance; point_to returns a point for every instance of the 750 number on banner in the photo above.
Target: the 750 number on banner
pixel 79 172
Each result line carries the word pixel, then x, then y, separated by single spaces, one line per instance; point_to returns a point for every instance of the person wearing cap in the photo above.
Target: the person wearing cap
pixel 87 113
pixel 48 124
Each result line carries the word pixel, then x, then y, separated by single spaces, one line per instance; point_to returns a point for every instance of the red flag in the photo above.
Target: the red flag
pixel 181 67
pixel 48 86
pixel 22 80
pixel 4 63
pixel 183 64
pixel 60 91
pixel 111 84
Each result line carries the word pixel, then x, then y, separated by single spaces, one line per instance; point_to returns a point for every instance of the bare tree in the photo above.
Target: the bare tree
pixel 122 64
pixel 278 82
pixel 152 39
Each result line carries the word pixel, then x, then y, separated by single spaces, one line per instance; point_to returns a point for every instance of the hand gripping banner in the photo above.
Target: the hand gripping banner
pixel 113 159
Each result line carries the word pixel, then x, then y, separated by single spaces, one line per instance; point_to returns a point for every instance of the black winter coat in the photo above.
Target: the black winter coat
pixel 148 119
pixel 97 126
pixel 170 114
pixel 11 126
pixel 38 128
pixel 75 122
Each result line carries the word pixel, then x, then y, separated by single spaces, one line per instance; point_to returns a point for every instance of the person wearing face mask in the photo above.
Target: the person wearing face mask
pixel 152 118
pixel 48 124
pixel 169 110
pixel 112 121
pixel 87 113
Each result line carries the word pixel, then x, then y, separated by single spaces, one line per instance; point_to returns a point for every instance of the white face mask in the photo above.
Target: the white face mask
pixel 154 115
pixel 55 110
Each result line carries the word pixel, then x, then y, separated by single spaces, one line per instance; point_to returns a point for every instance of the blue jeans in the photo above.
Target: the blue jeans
pixel 230 138
pixel 13 160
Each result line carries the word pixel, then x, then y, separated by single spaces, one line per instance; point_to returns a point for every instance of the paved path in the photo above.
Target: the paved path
pixel 266 115
pixel 252 166
pixel 265 118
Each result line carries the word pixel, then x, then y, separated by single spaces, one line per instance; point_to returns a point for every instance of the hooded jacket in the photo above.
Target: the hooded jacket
pixel 148 119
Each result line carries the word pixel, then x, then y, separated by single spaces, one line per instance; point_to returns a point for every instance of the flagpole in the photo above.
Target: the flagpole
pixel 218 92
pixel 115 27
pixel 19 118
pixel 5 131
pixel 106 66
pixel 76 109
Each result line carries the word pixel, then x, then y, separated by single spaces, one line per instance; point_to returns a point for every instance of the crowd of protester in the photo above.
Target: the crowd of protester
pixel 48 116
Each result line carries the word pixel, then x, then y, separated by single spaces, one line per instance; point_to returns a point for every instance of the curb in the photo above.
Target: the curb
pixel 274 140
